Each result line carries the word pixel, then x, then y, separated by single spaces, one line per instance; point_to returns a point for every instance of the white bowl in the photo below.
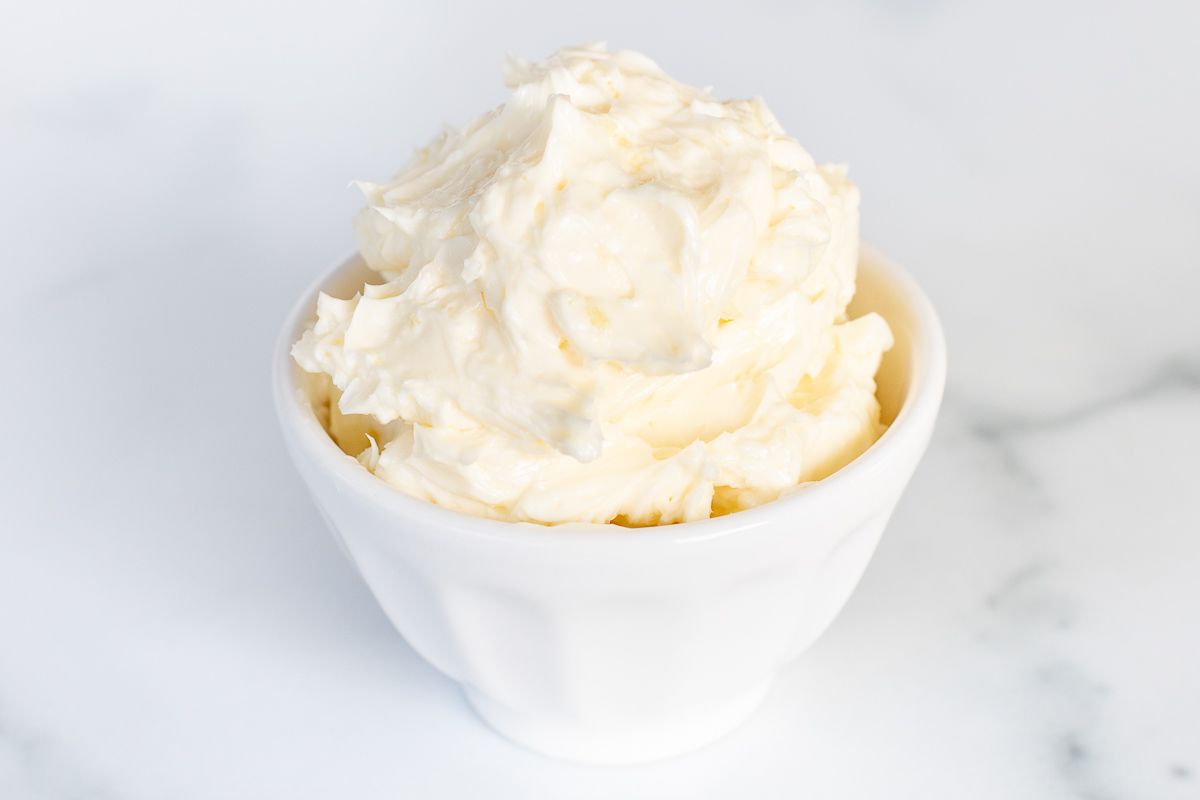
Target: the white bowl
pixel 605 644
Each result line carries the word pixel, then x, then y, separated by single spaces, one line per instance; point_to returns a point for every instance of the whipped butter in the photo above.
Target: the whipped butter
pixel 613 299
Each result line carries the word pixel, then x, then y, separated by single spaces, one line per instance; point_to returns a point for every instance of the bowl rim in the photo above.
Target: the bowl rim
pixel 306 438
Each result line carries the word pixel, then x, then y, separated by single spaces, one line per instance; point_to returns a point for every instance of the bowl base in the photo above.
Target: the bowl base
pixel 639 741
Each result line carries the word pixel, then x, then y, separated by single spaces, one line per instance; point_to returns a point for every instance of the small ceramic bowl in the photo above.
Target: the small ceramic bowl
pixel 599 643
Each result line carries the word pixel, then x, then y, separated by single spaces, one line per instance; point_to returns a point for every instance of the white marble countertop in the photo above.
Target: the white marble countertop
pixel 174 620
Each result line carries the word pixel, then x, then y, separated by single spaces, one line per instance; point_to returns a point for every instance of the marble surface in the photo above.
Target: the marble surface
pixel 174 620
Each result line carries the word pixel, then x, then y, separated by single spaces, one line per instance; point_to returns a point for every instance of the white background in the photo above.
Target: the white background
pixel 175 622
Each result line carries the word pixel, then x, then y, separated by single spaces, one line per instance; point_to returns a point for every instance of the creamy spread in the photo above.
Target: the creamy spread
pixel 612 299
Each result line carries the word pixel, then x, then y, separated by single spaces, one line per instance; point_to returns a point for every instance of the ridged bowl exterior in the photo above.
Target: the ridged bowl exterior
pixel 604 644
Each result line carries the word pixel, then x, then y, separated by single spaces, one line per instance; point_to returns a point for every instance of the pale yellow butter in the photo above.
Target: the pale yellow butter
pixel 614 298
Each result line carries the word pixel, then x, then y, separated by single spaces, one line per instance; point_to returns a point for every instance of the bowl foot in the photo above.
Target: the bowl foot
pixel 640 740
